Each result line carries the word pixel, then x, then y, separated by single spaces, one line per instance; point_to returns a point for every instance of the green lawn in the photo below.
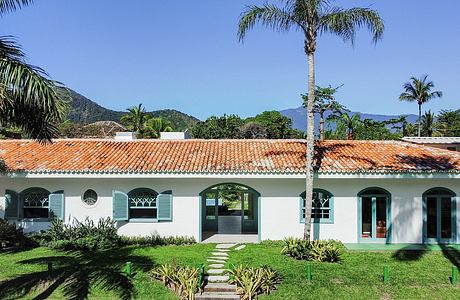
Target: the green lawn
pixel 413 274
pixel 98 276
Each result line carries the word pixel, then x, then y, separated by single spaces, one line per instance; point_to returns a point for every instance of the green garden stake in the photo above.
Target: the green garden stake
pixel 454 275
pixel 129 269
pixel 309 272
pixel 385 274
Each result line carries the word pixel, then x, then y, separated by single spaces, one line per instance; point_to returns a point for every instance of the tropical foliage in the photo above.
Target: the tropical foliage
pixel 419 90
pixel 325 102
pixel 252 281
pixel 29 100
pixel 317 250
pixel 12 236
pixel 313 18
pixel 143 124
pixel 183 281
pixel 269 125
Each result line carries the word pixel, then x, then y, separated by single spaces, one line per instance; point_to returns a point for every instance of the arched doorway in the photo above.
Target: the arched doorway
pixel 229 208
pixel 374 219
pixel 439 216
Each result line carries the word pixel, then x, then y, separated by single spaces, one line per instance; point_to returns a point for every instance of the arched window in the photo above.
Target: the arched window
pixel 322 207
pixel 374 215
pixel 439 216
pixel 35 203
pixel 142 204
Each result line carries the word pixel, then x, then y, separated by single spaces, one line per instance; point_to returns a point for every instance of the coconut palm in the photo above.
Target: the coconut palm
pixel 428 123
pixel 154 126
pixel 313 18
pixel 135 119
pixel 325 101
pixel 29 100
pixel 419 90
pixel 347 124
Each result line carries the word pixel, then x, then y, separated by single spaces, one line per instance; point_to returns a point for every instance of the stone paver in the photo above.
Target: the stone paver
pixel 225 246
pixel 216 266
pixel 240 247
pixel 219 257
pixel 218 278
pixel 216 271
pixel 219 254
pixel 216 260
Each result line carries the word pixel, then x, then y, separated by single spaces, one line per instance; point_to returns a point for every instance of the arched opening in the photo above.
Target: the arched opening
pixel 229 208
pixel 35 203
pixel 142 203
pixel 374 219
pixel 439 216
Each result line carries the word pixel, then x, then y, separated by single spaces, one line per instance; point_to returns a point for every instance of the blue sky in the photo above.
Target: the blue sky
pixel 184 55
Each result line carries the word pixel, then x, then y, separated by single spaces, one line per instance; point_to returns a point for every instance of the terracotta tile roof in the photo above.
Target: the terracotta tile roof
pixel 223 156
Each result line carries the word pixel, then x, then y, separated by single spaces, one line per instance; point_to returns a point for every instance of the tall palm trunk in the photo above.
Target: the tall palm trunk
pixel 321 125
pixel 310 145
pixel 419 118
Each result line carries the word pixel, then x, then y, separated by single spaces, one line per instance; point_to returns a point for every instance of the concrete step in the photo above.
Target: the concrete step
pixel 217 278
pixel 216 266
pixel 219 257
pixel 216 271
pixel 220 254
pixel 215 260
pixel 220 287
pixel 217 296
pixel 221 250
pixel 225 246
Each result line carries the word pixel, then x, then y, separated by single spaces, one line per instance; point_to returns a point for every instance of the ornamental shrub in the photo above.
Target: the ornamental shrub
pixel 157 240
pixel 13 236
pixel 183 281
pixel 318 250
pixel 86 235
pixel 252 281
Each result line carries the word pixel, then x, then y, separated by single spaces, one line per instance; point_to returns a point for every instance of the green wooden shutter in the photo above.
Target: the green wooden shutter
pixel 164 206
pixel 56 205
pixel 120 206
pixel 11 205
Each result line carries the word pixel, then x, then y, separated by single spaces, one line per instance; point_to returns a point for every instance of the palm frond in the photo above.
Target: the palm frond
pixel 345 22
pixel 268 15
pixel 7 6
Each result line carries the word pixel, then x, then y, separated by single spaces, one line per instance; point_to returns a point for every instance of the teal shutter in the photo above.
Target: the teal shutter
pixel 21 206
pixel 164 206
pixel 11 205
pixel 120 206
pixel 56 205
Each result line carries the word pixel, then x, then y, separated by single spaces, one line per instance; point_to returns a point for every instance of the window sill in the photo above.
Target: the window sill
pixel 35 220
pixel 143 221
pixel 319 222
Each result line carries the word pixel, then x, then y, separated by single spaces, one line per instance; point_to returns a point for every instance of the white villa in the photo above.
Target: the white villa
pixel 365 191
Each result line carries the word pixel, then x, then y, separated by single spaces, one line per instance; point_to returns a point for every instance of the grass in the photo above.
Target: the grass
pixel 413 274
pixel 95 276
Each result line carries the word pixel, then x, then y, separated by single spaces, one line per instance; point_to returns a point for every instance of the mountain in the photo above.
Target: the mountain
pixel 299 117
pixel 84 110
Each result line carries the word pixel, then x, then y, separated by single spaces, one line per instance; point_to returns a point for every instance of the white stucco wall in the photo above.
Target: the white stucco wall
pixel 279 209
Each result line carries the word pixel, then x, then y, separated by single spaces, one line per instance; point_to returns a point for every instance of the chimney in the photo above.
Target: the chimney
pixel 125 136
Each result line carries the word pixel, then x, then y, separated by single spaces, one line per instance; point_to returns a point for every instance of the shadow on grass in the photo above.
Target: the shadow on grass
pixel 75 273
pixel 451 254
pixel 410 253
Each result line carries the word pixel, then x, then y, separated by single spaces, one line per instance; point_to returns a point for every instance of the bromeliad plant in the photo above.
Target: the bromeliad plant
pixel 252 281
pixel 319 250
pixel 183 281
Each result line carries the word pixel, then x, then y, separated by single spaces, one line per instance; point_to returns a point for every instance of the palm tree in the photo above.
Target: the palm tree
pixel 419 90
pixel 154 126
pixel 313 18
pixel 427 123
pixel 29 100
pixel 346 124
pixel 325 101
pixel 135 119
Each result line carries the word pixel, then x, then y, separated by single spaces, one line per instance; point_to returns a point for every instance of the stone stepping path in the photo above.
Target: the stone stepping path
pixel 217 286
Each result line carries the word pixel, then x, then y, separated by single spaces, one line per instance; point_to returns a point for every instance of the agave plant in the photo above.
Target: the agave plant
pixel 251 281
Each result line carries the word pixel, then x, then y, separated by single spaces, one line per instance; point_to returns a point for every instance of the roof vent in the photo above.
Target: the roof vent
pixel 175 135
pixel 125 136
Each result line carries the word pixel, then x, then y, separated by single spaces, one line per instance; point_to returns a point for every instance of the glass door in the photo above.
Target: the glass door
pixel 374 216
pixel 210 209
pixel 438 219
pixel 249 222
